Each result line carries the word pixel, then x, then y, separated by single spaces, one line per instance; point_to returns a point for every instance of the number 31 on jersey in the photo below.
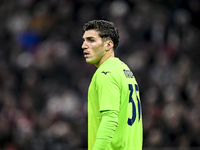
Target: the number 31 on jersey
pixel 134 113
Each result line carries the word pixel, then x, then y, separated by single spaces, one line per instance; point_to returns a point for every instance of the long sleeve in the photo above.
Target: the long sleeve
pixel 106 129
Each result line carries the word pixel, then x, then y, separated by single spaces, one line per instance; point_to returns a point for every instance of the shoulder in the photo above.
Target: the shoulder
pixel 111 69
pixel 110 64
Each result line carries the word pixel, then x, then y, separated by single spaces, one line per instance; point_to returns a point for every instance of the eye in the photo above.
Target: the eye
pixel 91 40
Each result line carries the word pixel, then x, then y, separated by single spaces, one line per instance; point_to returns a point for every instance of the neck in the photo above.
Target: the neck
pixel 107 55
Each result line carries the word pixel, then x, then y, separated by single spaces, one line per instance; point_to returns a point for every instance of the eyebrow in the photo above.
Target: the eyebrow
pixel 88 38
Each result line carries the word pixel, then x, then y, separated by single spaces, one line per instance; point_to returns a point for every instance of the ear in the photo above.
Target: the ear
pixel 109 45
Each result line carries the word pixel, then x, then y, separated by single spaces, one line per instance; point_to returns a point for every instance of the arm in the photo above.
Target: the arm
pixel 106 129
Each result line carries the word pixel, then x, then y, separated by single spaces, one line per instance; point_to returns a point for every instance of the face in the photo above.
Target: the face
pixel 93 47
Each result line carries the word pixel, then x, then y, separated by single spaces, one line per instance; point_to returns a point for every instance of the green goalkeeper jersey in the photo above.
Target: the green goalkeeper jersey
pixel 113 87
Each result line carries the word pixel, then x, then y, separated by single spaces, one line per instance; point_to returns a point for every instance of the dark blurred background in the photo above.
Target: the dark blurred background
pixel 44 77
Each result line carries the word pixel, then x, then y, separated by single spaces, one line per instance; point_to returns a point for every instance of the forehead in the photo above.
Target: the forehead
pixel 91 33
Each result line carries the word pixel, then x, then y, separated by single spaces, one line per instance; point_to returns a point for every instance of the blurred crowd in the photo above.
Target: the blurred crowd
pixel 44 77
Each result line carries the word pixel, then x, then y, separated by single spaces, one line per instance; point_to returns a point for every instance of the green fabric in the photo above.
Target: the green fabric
pixel 114 88
pixel 106 129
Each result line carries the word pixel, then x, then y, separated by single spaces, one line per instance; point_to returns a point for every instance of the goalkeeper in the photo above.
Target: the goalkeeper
pixel 114 108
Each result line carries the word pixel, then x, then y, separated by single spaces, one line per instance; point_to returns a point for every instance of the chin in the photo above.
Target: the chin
pixel 90 61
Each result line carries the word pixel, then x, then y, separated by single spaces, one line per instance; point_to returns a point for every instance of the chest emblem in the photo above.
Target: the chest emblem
pixel 105 72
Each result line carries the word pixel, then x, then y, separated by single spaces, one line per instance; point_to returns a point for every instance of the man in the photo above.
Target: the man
pixel 114 110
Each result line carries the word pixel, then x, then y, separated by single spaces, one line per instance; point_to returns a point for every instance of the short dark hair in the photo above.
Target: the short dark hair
pixel 106 30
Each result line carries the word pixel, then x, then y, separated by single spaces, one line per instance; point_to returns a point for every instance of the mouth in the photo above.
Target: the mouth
pixel 86 54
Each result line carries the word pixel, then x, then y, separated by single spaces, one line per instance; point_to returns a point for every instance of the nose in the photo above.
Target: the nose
pixel 84 45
